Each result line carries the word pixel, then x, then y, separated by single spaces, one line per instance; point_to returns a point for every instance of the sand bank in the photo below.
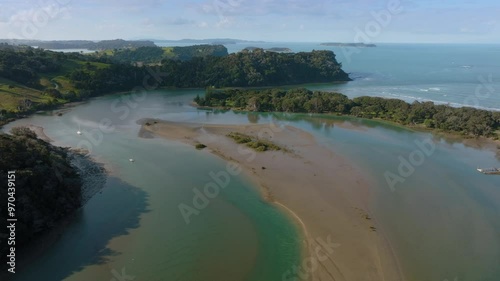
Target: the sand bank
pixel 322 192
pixel 39 131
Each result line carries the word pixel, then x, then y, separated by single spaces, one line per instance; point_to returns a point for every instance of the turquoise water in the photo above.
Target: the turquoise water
pixel 135 223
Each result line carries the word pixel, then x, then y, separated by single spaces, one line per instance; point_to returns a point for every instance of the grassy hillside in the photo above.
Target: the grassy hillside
pixel 31 78
pixel 12 93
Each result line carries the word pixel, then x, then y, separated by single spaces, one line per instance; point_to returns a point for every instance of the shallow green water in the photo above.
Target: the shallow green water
pixel 135 223
pixel 442 220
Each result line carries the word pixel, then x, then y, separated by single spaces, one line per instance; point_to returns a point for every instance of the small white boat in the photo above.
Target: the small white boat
pixel 489 171
pixel 78 132
pixel 131 160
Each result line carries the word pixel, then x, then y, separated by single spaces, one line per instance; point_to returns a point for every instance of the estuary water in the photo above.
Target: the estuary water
pixel 135 226
pixel 441 218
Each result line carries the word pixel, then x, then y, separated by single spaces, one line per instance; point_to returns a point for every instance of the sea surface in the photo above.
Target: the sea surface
pixel 441 217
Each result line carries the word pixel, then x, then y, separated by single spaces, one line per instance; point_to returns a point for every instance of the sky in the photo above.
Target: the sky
pixel 360 21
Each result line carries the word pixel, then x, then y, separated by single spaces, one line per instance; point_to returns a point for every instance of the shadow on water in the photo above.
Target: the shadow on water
pixel 113 212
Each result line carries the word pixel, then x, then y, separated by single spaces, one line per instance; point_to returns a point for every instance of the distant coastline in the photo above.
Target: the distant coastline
pixel 273 49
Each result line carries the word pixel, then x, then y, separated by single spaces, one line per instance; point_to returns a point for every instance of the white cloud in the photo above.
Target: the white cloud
pixel 40 15
pixel 28 23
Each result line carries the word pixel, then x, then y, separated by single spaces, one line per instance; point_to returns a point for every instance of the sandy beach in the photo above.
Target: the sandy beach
pixel 39 131
pixel 322 192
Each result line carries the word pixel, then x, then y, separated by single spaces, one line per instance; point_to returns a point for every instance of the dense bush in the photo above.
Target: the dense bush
pixel 47 188
pixel 254 68
pixel 465 120
pixel 23 65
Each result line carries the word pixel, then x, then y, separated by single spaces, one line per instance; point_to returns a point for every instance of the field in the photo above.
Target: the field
pixel 12 94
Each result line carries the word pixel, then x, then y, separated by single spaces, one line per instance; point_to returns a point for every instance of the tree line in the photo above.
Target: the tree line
pixel 47 187
pixel 184 69
pixel 464 120
pixel 242 69
pixel 254 69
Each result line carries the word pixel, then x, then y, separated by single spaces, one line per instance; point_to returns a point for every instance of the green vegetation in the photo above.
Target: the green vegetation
pixel 47 187
pixel 253 69
pixel 156 55
pixel 256 144
pixel 34 79
pixel 200 146
pixel 465 120
pixel 196 51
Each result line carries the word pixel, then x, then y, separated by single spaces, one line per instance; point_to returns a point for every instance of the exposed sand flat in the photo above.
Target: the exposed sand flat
pixel 39 132
pixel 321 190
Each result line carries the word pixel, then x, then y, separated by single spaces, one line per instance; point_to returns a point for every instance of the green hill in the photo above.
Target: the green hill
pixel 33 78
pixel 155 55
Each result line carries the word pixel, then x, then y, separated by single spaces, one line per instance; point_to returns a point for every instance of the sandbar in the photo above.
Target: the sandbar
pixel 323 192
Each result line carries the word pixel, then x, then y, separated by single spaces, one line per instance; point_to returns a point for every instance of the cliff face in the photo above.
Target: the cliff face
pixel 47 187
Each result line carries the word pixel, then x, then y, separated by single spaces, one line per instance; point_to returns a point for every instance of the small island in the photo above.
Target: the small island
pixel 254 143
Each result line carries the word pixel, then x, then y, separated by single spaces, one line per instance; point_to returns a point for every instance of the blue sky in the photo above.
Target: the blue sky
pixel 423 21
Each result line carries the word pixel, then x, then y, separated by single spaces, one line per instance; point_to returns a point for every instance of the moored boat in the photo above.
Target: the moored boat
pixel 489 171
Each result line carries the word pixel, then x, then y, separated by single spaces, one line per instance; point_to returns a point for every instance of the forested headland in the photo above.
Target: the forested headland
pixel 463 120
pixel 46 187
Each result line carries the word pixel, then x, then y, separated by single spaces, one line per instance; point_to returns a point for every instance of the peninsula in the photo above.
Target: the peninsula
pixel 45 186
